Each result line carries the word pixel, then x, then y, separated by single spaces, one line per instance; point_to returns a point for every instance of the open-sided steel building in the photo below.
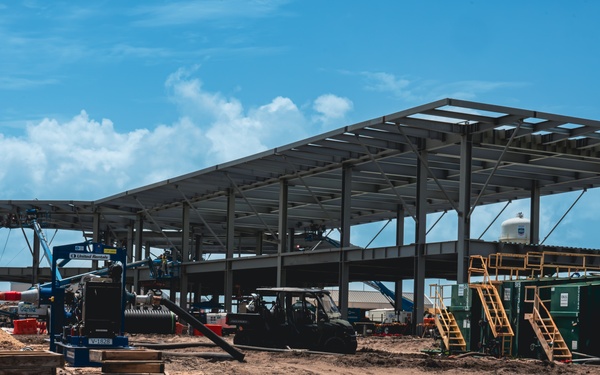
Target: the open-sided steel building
pixel 449 155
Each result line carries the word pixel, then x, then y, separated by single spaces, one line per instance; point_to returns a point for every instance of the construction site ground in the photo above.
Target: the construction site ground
pixel 375 355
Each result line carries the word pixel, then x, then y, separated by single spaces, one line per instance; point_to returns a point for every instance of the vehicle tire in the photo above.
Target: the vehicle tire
pixel 335 345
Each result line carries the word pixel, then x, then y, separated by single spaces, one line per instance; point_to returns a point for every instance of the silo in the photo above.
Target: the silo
pixel 515 230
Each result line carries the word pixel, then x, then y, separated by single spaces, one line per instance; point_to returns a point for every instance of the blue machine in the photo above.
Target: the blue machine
pixel 93 316
pixel 88 310
pixel 32 215
pixel 316 233
pixel 407 305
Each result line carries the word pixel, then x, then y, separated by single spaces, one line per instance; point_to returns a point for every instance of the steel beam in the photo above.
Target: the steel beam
pixel 420 240
pixel 464 211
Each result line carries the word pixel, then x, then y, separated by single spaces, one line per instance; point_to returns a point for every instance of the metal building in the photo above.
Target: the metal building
pixel 241 224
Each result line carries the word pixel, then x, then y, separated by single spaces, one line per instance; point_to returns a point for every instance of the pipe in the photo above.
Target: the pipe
pixel 173 345
pixel 198 354
pixel 149 321
pixel 31 295
pixel 236 354
pixel 286 350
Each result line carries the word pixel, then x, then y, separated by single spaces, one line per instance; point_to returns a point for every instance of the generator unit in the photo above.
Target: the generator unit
pixel 88 311
pixel 88 314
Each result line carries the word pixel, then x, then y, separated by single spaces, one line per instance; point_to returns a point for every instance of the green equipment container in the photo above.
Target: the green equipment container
pixel 467 318
pixel 516 308
pixel 574 309
pixel 463 319
pixel 461 296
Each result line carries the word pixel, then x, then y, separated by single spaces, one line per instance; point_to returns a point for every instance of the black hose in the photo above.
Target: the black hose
pixel 212 355
pixel 236 354
pixel 172 345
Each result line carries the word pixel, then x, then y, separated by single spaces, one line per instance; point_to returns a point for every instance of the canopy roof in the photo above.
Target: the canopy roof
pixel 513 149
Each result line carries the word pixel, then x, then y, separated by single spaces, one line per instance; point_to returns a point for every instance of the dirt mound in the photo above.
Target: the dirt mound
pixel 8 342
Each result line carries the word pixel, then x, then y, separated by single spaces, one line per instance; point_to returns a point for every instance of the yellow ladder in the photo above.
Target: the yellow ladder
pixel 492 304
pixel 545 329
pixel 446 324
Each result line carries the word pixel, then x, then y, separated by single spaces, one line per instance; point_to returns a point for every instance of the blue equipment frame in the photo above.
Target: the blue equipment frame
pixel 76 348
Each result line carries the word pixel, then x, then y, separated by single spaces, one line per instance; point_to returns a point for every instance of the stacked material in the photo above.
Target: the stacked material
pixel 7 342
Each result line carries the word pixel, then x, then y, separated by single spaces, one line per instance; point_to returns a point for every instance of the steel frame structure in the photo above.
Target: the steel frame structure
pixel 448 155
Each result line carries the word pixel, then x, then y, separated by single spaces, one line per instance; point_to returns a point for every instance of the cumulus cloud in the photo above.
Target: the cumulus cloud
pixel 331 108
pixel 231 130
pixel 86 158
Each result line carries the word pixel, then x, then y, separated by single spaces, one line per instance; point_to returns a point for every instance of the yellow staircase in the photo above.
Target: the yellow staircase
pixel 446 324
pixel 492 304
pixel 545 329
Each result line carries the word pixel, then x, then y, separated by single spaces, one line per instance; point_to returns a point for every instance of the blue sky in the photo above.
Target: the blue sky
pixel 100 97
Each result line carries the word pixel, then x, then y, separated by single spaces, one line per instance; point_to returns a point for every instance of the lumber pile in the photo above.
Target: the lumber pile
pixel 30 362
pixel 129 361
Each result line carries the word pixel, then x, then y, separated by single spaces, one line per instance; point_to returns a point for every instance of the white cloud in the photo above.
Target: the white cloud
pixel 386 82
pixel 17 83
pixel 231 131
pixel 85 158
pixel 331 107
pixel 416 90
pixel 184 12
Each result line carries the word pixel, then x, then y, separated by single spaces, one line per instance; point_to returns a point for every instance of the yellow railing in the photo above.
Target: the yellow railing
pixel 540 264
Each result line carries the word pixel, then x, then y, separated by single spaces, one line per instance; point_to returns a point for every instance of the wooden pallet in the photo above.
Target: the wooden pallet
pixel 14 362
pixel 129 361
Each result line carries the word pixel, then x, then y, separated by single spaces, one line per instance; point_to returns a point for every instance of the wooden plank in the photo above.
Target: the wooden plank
pixel 104 355
pixel 29 371
pixel 133 366
pixel 9 359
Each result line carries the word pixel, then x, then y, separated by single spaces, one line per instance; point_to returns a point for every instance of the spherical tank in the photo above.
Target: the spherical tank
pixel 515 230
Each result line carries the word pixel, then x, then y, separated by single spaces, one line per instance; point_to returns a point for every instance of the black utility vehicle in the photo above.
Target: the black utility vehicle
pixel 296 317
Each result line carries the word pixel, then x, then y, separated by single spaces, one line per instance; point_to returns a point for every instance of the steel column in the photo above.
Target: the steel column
pixel 185 255
pixel 534 212
pixel 228 286
pixel 464 208
pixel 282 228
pixel 400 225
pixel 129 240
pixel 399 242
pixel 259 243
pixel 420 240
pixel 96 234
pixel 344 268
pixel 138 237
pixel 198 247
pixel 36 260
pixel 137 243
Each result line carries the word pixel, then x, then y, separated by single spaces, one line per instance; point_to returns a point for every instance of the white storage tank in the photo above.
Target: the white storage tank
pixel 515 230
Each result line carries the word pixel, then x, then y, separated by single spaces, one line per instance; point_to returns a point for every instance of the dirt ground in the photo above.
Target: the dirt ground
pixel 375 356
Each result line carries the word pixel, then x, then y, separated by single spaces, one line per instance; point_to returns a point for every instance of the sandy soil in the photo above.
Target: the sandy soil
pixel 375 356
